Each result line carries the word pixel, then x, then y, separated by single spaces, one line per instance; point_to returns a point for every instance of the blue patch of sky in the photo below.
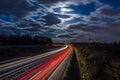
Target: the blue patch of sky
pixel 6 18
pixel 83 9
pixel 94 23
pixel 75 20
pixel 35 17
pixel 11 32
pixel 108 20
pixel 40 6
pixel 35 3
pixel 39 13
pixel 114 3
pixel 48 34
pixel 57 10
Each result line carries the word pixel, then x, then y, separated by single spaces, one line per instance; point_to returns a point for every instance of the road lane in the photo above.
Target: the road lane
pixel 16 65
pixel 57 74
pixel 43 71
pixel 11 60
pixel 12 64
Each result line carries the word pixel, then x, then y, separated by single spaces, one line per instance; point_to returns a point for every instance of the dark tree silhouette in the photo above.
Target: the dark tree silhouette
pixel 24 40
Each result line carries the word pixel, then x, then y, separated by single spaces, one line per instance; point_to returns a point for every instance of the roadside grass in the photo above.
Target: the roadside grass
pixel 66 69
pixel 98 61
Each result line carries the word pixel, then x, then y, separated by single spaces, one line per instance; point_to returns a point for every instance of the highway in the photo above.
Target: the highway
pixel 39 67
pixel 57 74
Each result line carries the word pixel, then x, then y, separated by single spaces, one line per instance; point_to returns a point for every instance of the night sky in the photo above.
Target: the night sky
pixel 62 20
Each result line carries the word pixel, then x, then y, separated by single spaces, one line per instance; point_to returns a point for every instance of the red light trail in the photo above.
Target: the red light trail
pixel 43 70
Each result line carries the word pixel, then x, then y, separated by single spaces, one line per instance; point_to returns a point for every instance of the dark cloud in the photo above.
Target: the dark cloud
pixel 71 2
pixel 51 19
pixel 87 28
pixel 26 23
pixel 114 27
pixel 77 26
pixel 17 8
pixel 49 1
pixel 10 30
pixel 106 11
pixel 114 3
pixel 49 29
pixel 94 18
pixel 63 16
pixel 108 28
pixel 109 11
pixel 33 29
pixel 104 32
pixel 103 15
pixel 65 36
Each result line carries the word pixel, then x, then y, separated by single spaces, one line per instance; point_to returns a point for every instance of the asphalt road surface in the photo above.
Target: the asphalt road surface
pixel 39 67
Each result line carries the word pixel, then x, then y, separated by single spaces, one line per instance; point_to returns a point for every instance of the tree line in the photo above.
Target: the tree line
pixel 24 40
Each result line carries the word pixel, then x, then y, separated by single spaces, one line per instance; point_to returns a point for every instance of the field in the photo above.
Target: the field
pixel 98 61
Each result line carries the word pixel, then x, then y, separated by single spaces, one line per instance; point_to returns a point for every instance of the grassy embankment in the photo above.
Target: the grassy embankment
pixel 98 61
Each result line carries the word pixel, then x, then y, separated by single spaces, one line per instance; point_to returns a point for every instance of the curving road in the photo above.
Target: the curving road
pixel 6 70
pixel 49 66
